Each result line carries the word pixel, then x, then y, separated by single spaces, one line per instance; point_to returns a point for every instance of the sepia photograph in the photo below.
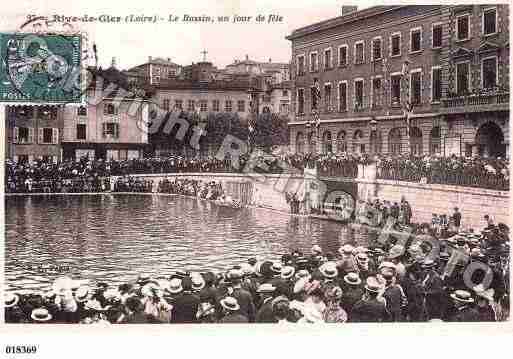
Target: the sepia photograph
pixel 255 164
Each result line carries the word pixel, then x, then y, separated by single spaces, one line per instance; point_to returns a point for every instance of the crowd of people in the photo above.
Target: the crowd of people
pixel 492 173
pixel 383 282
pixel 86 175
pixel 211 190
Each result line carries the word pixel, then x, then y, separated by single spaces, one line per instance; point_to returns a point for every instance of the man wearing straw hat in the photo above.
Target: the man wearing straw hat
pixel 463 307
pixel 370 309
pixel 243 297
pixel 231 309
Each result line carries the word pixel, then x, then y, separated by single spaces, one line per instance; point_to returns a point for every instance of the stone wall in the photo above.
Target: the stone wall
pixel 425 199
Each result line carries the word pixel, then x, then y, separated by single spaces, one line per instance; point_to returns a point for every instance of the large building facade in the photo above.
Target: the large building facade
pixel 357 79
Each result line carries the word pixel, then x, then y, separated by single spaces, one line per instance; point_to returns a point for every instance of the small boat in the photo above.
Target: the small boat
pixel 227 201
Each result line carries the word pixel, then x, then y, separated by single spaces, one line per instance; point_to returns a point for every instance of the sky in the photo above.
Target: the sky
pixel 183 43
pixel 131 44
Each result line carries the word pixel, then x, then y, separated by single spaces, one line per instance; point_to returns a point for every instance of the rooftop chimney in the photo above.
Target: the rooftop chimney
pixel 270 60
pixel 247 57
pixel 168 59
pixel 349 9
pixel 113 63
pixel 149 58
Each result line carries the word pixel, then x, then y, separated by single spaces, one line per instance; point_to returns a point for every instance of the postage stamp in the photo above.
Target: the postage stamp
pixel 40 68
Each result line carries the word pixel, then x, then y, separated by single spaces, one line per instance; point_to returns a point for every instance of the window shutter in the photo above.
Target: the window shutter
pixel 103 129
pixel 15 135
pixel 54 159
pixel 55 136
pixel 40 135
pixel 31 135
pixel 116 127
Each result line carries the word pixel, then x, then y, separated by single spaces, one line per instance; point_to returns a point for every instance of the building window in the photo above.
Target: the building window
pixel 284 93
pixel 300 143
pixel 215 105
pixel 395 89
pixel 179 104
pixel 377 97
pixel 47 135
pixel 358 145
pixel 172 73
pixel 326 143
pixel 436 84
pixel 489 21
pixel 23 135
pixel 462 78
pixel 313 62
pixel 228 106
pixel 395 45
pixel 435 140
pixel 342 56
pixel 416 87
pixel 327 59
pixel 376 49
pixel 358 94
pixel 110 109
pixel 462 27
pixel 190 105
pixel 203 106
pixel 327 97
pixel 394 141
pixel 489 72
pixel 81 132
pixel 415 40
pixel 341 141
pixel 375 142
pixel 415 141
pixel 241 106
pixel 342 96
pixel 437 36
pixel 110 130
pixel 165 105
pixel 359 56
pixel 82 111
pixel 300 65
pixel 300 101
pixel 157 79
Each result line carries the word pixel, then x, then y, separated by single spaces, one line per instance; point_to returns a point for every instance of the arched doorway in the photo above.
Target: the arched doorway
pixel 415 141
pixel 394 141
pixel 375 142
pixel 326 142
pixel 311 142
pixel 341 141
pixel 490 140
pixel 300 143
pixel 358 145
pixel 435 141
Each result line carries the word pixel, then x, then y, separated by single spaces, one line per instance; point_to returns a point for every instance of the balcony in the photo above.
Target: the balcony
pixel 497 101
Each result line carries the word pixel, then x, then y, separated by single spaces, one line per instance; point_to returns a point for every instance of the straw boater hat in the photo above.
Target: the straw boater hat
pixel 230 303
pixel 96 306
pixel 11 300
pixel 428 263
pixel 175 286
pixel 329 270
pixel 235 274
pixel 387 264
pixel 151 289
pixel 481 292
pixel 280 299
pixel 346 249
pixel 302 274
pixel 362 257
pixel 40 315
pixel 82 293
pixel 372 285
pixel 62 285
pixel 316 249
pixel 198 283
pixel 247 268
pixel 287 272
pixel 334 293
pixel 276 268
pixel 205 309
pixel 266 288
pixel 143 278
pixel 462 296
pixel 352 278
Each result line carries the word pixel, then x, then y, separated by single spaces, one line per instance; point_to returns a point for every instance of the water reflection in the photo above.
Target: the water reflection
pixel 115 237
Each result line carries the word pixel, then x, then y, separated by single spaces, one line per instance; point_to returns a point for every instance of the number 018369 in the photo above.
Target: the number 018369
pixel 20 349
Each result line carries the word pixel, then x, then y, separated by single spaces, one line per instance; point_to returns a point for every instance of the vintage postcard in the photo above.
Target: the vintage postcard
pixel 254 163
